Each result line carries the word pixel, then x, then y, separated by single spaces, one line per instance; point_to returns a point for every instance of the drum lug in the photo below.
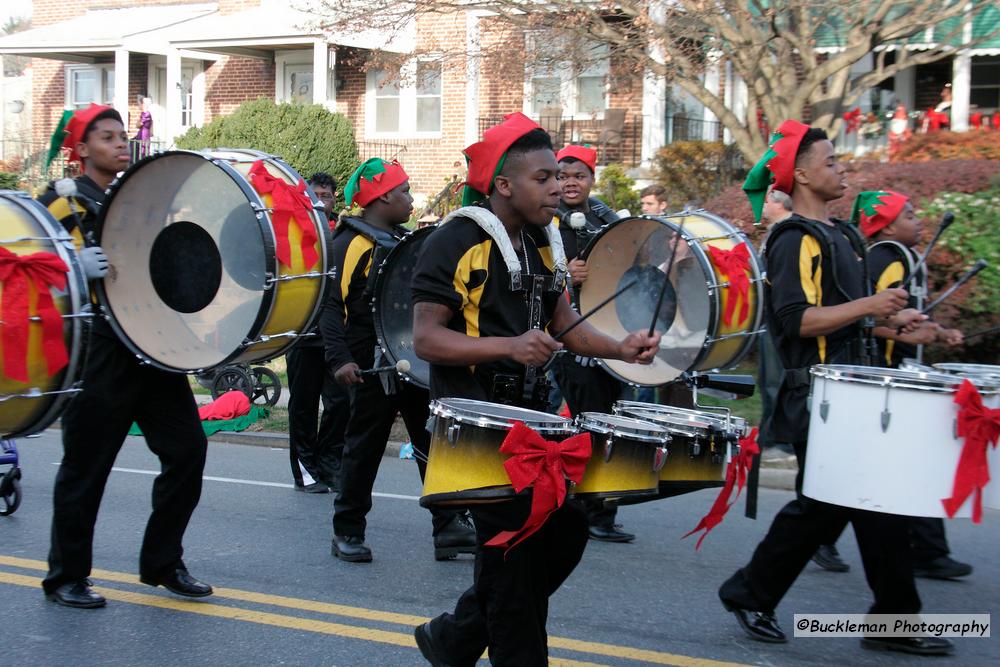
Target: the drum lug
pixel 824 409
pixel 453 431
pixel 608 448
pixel 886 413
pixel 660 458
pixel 268 280
pixel 954 429
pixel 694 448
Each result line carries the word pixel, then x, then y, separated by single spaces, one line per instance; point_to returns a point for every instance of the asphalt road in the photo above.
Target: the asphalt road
pixel 282 599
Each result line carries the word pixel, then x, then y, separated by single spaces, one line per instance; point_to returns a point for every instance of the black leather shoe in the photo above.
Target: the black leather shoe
pixel 944 567
pixel 458 537
pixel 915 645
pixel 610 534
pixel 315 487
pixel 828 558
pixel 179 582
pixel 351 548
pixel 760 625
pixel 77 594
pixel 426 645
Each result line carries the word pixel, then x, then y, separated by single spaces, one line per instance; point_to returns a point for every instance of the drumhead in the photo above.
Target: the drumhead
pixel 496 415
pixel 718 421
pixel 392 306
pixel 622 427
pixel 895 377
pixel 676 424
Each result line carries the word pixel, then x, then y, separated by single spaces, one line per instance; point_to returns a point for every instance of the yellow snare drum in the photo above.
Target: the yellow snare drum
pixel 464 464
pixel 26 227
pixel 627 457
pixel 197 277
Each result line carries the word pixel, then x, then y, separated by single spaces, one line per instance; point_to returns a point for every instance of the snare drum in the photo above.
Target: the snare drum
pixel 984 371
pixel 705 324
pixel 464 463
pixel 884 439
pixel 198 275
pixel 912 365
pixel 627 457
pixel 26 227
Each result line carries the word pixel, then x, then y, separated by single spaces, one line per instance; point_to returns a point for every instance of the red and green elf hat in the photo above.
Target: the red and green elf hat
pixel 878 209
pixel 584 154
pixel 372 179
pixel 777 165
pixel 70 130
pixel 485 158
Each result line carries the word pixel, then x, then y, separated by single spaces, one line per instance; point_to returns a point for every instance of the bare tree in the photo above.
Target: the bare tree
pixel 14 65
pixel 795 56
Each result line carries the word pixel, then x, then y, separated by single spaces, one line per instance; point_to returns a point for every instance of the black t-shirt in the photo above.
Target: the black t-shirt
pixel 460 267
pixel 890 268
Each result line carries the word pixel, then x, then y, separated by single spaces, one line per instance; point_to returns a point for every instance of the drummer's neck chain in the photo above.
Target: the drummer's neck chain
pixel 524 252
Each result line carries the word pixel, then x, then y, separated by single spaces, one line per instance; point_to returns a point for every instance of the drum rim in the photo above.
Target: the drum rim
pixel 464 415
pixel 380 280
pixel 687 428
pixel 728 424
pixel 79 295
pixel 983 371
pixel 644 431
pixel 897 379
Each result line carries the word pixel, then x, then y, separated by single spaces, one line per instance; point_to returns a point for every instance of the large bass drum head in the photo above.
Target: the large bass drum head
pixel 188 258
pixel 639 249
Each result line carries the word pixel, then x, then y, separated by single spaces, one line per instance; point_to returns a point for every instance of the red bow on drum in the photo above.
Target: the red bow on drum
pixel 736 475
pixel 980 426
pixel 734 266
pixel 544 466
pixel 40 270
pixel 287 202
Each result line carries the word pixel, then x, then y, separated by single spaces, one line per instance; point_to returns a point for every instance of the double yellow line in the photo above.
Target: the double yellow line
pixel 293 622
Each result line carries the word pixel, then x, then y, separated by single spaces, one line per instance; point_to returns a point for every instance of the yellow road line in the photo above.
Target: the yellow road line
pixel 594 648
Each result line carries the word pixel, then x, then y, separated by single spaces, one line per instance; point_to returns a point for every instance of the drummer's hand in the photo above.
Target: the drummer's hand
pixel 951 337
pixel 94 262
pixel 347 375
pixel 639 347
pixel 888 302
pixel 533 348
pixel 577 271
pixel 925 334
pixel 907 320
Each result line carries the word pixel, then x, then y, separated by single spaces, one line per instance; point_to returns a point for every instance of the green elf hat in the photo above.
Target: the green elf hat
pixel 878 209
pixel 372 179
pixel 485 158
pixel 776 166
pixel 73 126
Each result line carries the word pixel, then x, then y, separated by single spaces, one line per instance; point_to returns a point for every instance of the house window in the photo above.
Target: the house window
pixel 428 97
pixel 985 84
pixel 407 104
pixel 89 83
pixel 574 80
pixel 386 103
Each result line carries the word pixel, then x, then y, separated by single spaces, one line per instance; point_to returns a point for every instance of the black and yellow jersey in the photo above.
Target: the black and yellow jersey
pixel 889 267
pixel 82 211
pixel 461 267
pixel 347 324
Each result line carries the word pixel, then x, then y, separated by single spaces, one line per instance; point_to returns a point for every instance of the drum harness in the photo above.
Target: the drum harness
pixel 919 289
pixel 531 389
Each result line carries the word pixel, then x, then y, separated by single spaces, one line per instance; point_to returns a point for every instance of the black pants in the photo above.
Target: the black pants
pixel 117 390
pixel 927 538
pixel 507 607
pixel 589 389
pixel 372 416
pixel 800 527
pixel 309 382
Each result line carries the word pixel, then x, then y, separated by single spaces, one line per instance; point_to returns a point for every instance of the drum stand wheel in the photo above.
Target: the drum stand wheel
pixel 232 378
pixel 266 385
pixel 10 491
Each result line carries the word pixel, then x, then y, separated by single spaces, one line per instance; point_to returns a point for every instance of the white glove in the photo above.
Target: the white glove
pixel 94 261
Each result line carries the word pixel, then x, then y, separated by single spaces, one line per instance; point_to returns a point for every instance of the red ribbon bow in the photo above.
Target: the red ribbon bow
pixel 545 466
pixel 853 120
pixel 736 475
pixel 735 266
pixel 980 426
pixel 287 201
pixel 42 270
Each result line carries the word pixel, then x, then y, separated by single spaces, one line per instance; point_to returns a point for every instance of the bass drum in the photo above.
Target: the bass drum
pixel 393 306
pixel 32 394
pixel 709 319
pixel 210 263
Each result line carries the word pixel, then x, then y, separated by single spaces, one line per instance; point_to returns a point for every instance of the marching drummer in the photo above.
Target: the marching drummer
pixel 360 245
pixel 117 390
pixel 472 323
pixel 816 301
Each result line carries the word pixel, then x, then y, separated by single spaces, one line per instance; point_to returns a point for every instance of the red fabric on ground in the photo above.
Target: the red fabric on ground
pixel 230 405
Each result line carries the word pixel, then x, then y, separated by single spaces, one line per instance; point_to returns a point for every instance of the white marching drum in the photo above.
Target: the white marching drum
pixel 884 440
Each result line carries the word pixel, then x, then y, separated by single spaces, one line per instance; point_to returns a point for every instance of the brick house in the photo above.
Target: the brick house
pixel 197 60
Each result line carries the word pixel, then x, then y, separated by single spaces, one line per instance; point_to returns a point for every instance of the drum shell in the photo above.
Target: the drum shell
pixel 906 468
pixel 621 464
pixel 21 216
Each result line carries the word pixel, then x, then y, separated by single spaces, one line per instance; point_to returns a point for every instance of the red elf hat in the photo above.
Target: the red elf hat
pixel 584 154
pixel 878 209
pixel 372 179
pixel 485 158
pixel 776 166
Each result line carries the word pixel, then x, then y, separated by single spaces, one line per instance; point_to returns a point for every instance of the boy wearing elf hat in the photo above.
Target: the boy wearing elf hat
pixel 360 245
pixel 478 278
pixel 816 300
pixel 116 390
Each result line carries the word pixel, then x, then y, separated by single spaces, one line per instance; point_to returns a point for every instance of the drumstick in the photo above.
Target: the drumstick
pixel 402 366
pixel 596 308
pixel 976 268
pixel 666 280
pixel 982 332
pixel 946 220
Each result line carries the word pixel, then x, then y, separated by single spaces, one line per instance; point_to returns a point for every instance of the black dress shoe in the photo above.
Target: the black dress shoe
pixel 944 567
pixel 179 582
pixel 915 645
pixel 315 487
pixel 458 537
pixel 351 548
pixel 828 558
pixel 426 645
pixel 760 625
pixel 77 594
pixel 610 534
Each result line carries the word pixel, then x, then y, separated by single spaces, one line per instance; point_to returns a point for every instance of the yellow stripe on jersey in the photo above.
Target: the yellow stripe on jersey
pixel 546 253
pixel 891 276
pixel 811 278
pixel 476 258
pixel 63 212
pixel 356 250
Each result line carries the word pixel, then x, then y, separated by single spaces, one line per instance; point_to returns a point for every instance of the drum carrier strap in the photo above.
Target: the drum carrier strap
pixel 918 288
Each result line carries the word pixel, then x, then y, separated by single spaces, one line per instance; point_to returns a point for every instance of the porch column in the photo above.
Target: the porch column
pixel 654 115
pixel 961 79
pixel 173 119
pixel 321 56
pixel 121 84
pixel 904 86
pixel 472 65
